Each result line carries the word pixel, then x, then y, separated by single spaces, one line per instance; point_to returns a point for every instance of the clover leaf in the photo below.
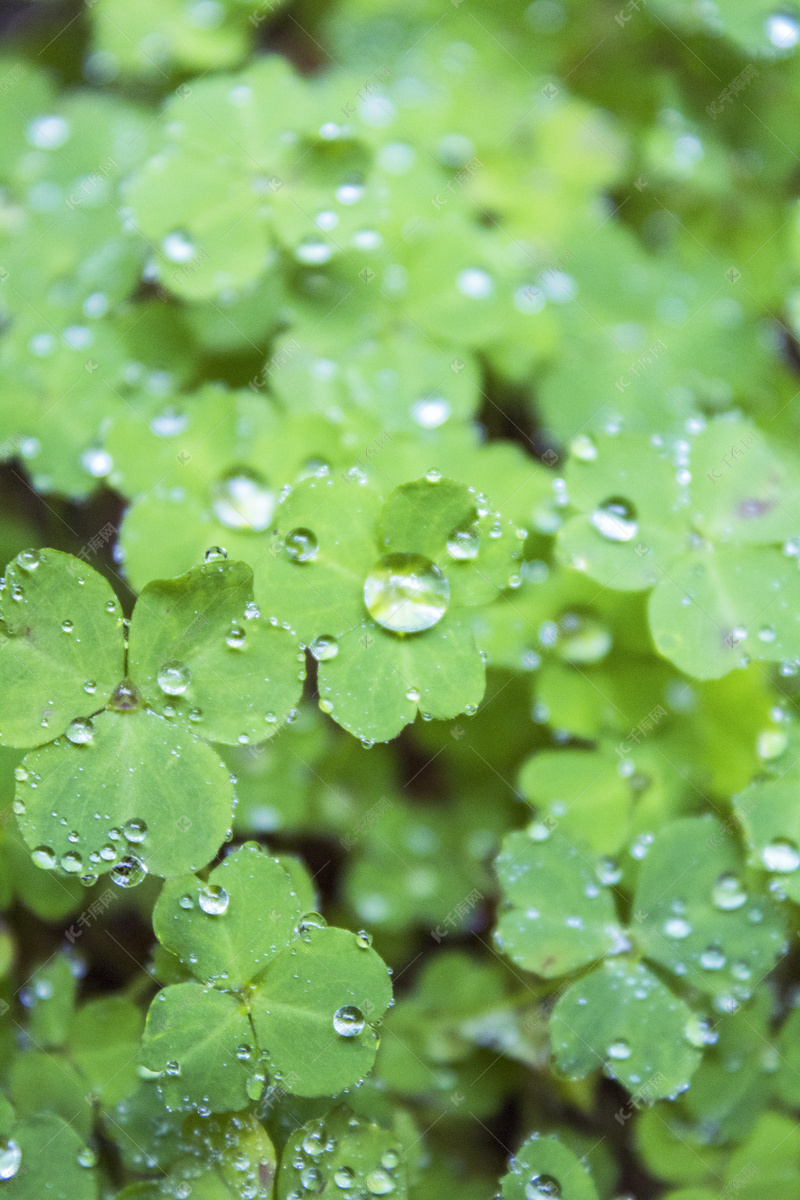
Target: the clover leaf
pixel 43 1155
pixel 132 742
pixel 339 1153
pixel 542 1167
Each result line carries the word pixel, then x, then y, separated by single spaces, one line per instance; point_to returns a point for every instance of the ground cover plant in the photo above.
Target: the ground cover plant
pixel 400 624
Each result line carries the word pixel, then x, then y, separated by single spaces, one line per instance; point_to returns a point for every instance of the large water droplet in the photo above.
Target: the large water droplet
pixel 301 544
pixel 712 959
pixel 80 731
pixel 465 542
pixel 243 501
pixel 87 1157
pixel 542 1187
pixel 619 1049
pixel 10 1158
pixel 174 677
pixel 324 647
pixel 615 519
pixel 135 830
pixel 28 560
pixel 129 871
pixel 406 593
pixel 379 1182
pixel 72 862
pixel 344 1178
pixel 44 857
pixel 781 855
pixel 236 638
pixel 348 1021
pixel 728 893
pixel 213 899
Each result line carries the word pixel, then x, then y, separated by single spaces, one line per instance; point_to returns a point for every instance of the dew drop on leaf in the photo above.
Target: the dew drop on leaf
pixel 174 677
pixel 712 959
pixel 215 554
pixel 178 247
pixel 314 1143
pixel 781 855
pixel 619 1049
pixel 28 560
pixel 235 638
pixel 71 862
pixel 363 939
pixel 582 638
pixel 312 1179
pixel 80 731
pixel 677 927
pixel 186 901
pixel 464 543
pixel 344 1178
pixel 44 857
pixel 324 647
pixel 379 1182
pixel 406 593
pixel 213 899
pixel 301 544
pixel 542 1187
pixel 243 501
pixel 615 519
pixel 67 626
pixel 128 872
pixel 126 696
pixel 135 830
pixel 87 1157
pixel 311 920
pixel 10 1158
pixel 728 893
pixel 348 1021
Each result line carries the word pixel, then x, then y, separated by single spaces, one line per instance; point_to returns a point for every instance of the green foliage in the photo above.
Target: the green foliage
pixel 401 506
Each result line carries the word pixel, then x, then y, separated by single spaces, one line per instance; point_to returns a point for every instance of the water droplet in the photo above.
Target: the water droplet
pixel 582 638
pixel 301 544
pixel 413 694
pixel 311 252
pixel 10 1158
pixel 311 920
pixel 44 857
pixel 314 1143
pixel 28 560
pixel 236 638
pixel 125 697
pixel 677 927
pixel 172 1067
pixel 80 731
pixel 728 892
pixel 186 901
pixel 431 412
pixel 244 1052
pixel 324 647
pixel 781 855
pixel 390 1159
pixel 475 283
pixel 379 1182
pixel 712 959
pixel 135 830
pixel 783 30
pixel 542 1187
pixel 615 519
pixel 608 871
pixel 344 1178
pixel 87 1157
pixel 464 543
pixel 72 862
pixel 348 1021
pixel 213 899
pixel 108 852
pixel 174 677
pixel 243 501
pixel 90 687
pixel 215 554
pixel 67 626
pixel 619 1049
pixel 178 247
pixel 583 447
pixel 349 193
pixel 128 872
pixel 699 1033
pixel 406 593
pixel 363 939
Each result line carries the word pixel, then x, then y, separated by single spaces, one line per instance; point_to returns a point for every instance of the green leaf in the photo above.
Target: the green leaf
pixel 337 1153
pixel 559 916
pixel 191 1036
pixel 378 680
pixel 716 608
pixel 50 999
pixel 197 653
pixel 300 994
pixel 49 1165
pixel 543 1163
pixel 137 767
pixel 695 913
pixel 622 1018
pixel 45 668
pixel 230 947
pixel 583 792
pixel 103 1042
pixel 42 1082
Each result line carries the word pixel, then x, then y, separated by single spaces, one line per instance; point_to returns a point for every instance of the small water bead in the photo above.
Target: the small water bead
pixel 781 855
pixel 728 893
pixel 135 830
pixel 67 626
pixel 311 920
pixel 542 1187
pixel 311 252
pixel 464 543
pixel 171 1067
pixel 108 852
pixel 390 1159
pixel 312 1179
pixel 301 544
pixel 406 593
pixel 44 857
pixel 186 901
pixel 314 1143
pixel 20 774
pixel 243 501
pixel 699 1033
pixel 215 554
pixel 609 872
pixel 324 647
pixel 10 1158
pixel 677 927
pixel 712 959
pixel 615 519
pixel 363 939
pixel 80 731
pixel 244 1052
pixel 582 638
pixel 236 638
pixel 213 899
pixel 344 1178
pixel 73 836
pixel 128 872
pixel 71 862
pixel 379 1182
pixel 475 283
pixel 28 560
pixel 174 677
pixel 619 1049
pixel 348 1021
pixel 583 447
pixel 783 30
pixel 87 1157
